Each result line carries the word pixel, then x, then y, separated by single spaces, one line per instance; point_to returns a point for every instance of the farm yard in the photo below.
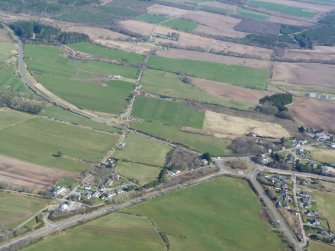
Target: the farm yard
pixel 16 208
pixel 64 77
pixel 131 228
pixel 38 140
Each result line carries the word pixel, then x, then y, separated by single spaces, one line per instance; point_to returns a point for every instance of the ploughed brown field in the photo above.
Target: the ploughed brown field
pixel 18 173
pixel 305 74
pixel 244 95
pixel 318 53
pixel 314 113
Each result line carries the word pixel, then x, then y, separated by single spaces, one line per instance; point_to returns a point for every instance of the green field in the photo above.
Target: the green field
pixel 10 117
pixel 15 208
pixel 82 83
pixel 231 74
pixel 165 119
pixel 113 54
pixel 9 78
pixel 6 50
pixel 209 216
pixel 321 154
pixel 62 115
pixel 319 246
pixel 244 13
pixel 197 142
pixel 168 84
pixel 289 10
pixel 143 150
pixel 181 24
pixel 326 206
pixel 154 19
pixel 36 140
pixel 167 112
pixel 113 232
pixel 142 174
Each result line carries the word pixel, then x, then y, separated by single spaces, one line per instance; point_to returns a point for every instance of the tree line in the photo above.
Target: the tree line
pixel 41 33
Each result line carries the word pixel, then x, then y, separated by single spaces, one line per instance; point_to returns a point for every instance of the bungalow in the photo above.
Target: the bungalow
pixel 58 190
pixel 315 222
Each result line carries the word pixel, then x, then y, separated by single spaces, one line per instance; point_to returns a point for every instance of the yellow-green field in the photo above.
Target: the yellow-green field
pixel 15 208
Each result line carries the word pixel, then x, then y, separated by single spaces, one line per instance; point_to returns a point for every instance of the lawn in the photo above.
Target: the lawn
pixel 82 83
pixel 322 154
pixel 113 54
pixel 154 19
pixel 169 84
pixel 15 208
pixel 62 115
pixel 231 74
pixel 289 10
pixel 36 140
pixel 180 24
pixel 143 150
pixel 112 232
pixel 197 142
pixel 141 174
pixel 167 112
pixel 221 214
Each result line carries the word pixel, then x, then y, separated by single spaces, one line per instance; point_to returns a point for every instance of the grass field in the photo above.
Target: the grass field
pixel 197 142
pixel 113 232
pixel 181 24
pixel 16 208
pixel 289 10
pixel 36 140
pixel 80 81
pixel 62 115
pixel 319 246
pixel 6 50
pixel 219 208
pixel 113 54
pixel 168 84
pixel 10 117
pixel 167 112
pixel 143 150
pixel 231 74
pixel 322 154
pixel 326 206
pixel 154 19
pixel 209 216
pixel 142 174
pixel 244 13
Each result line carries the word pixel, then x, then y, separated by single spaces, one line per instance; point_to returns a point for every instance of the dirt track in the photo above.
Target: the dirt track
pixel 314 113
pixel 19 173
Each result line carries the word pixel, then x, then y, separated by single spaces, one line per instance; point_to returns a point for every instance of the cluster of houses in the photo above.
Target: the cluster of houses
pixel 113 77
pixel 280 185
pixel 170 36
pixel 305 199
